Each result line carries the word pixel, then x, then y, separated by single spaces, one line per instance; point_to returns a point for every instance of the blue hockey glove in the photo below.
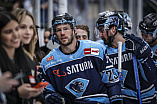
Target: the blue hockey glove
pixel 54 98
pixel 137 45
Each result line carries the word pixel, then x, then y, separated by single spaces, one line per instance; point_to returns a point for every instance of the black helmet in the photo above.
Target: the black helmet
pixel 65 18
pixel 108 19
pixel 149 24
pixel 127 24
pixel 120 19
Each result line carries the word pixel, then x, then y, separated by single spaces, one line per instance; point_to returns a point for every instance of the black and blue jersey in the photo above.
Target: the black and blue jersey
pixel 86 74
pixel 146 75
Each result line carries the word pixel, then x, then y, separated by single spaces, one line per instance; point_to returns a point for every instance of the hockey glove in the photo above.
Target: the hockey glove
pixel 137 45
pixel 54 98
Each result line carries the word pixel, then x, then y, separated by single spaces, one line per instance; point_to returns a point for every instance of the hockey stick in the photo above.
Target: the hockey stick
pixel 119 59
pixel 137 78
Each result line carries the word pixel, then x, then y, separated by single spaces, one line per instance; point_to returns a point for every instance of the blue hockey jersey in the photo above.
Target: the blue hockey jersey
pixel 146 75
pixel 87 74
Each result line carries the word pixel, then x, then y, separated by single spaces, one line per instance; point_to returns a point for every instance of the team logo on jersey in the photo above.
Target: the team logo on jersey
pixel 50 58
pixel 156 51
pixel 77 86
pixel 59 73
pixel 94 51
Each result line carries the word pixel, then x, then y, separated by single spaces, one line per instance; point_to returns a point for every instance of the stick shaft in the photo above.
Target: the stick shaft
pixel 137 78
pixel 119 59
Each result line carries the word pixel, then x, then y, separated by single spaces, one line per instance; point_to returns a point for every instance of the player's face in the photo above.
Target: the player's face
pixel 103 35
pixel 64 34
pixel 10 35
pixel 82 34
pixel 26 27
pixel 46 36
pixel 147 37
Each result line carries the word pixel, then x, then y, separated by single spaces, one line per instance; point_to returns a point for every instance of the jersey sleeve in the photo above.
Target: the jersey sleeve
pixel 148 69
pixel 44 78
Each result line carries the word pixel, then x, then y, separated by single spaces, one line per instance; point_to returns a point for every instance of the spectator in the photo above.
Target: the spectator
pixel 6 84
pixel 9 5
pixel 28 30
pixel 44 11
pixel 38 54
pixel 13 59
pixel 47 35
pixel 27 4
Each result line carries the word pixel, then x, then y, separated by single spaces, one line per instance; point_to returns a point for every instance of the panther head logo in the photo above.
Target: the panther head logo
pixel 77 86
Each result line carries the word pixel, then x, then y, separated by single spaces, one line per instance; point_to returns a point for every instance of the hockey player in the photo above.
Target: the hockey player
pixel 148 28
pixel 111 26
pixel 82 32
pixel 78 71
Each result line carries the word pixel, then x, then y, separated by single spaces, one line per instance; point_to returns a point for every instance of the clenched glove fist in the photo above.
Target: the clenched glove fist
pixel 54 98
pixel 137 45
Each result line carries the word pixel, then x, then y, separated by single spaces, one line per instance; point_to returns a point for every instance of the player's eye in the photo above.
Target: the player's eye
pixel 58 30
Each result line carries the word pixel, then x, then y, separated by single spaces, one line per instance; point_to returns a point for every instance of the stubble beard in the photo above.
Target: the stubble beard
pixel 105 41
pixel 69 41
pixel 108 41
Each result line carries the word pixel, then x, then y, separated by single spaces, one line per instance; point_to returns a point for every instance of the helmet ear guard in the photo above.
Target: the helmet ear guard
pixel 54 39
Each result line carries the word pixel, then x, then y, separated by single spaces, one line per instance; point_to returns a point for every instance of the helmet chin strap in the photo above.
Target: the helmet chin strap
pixel 110 38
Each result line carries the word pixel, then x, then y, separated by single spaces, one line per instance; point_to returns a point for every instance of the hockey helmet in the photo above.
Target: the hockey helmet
pixel 108 19
pixel 65 18
pixel 149 24
pixel 120 19
pixel 127 24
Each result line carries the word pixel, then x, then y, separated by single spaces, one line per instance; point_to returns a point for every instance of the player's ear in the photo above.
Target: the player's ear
pixel 75 31
pixel 113 29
